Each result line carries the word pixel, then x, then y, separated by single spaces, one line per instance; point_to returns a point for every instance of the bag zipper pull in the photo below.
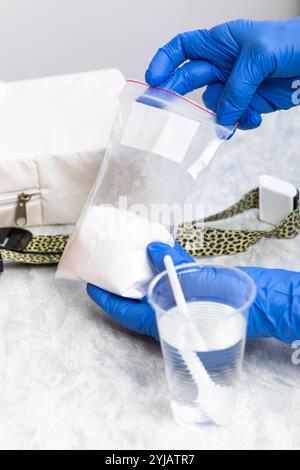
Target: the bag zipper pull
pixel 21 212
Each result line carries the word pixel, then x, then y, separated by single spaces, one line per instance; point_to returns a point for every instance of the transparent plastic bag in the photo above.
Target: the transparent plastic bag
pixel 149 184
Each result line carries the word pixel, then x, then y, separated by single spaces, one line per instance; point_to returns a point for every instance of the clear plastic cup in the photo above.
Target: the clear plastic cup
pixel 203 351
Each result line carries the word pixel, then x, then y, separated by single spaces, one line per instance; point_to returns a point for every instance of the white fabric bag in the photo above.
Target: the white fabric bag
pixel 53 134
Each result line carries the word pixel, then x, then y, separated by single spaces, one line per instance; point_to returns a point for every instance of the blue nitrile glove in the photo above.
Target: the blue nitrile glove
pixel 137 315
pixel 250 67
pixel 275 312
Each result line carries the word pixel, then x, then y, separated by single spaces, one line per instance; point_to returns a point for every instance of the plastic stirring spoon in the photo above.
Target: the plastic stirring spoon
pixel 217 401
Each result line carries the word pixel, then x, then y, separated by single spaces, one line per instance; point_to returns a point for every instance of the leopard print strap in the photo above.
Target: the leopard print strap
pixel 196 240
pixel 42 249
pixel 209 241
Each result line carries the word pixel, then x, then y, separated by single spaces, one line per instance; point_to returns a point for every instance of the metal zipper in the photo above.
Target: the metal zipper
pixel 20 200
pixel 21 210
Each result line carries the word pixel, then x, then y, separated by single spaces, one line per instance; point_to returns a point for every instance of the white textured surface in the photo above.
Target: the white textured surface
pixel 71 378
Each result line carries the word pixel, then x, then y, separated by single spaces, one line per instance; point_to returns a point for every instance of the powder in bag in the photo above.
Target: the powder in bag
pixel 108 250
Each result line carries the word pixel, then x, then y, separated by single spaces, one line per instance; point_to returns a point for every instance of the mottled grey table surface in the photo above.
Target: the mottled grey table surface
pixel 70 378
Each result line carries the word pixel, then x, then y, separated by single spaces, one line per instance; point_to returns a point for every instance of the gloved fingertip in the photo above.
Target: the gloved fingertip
pixel 250 120
pixel 156 252
pixel 157 246
pixel 97 294
pixel 89 289
pixel 150 78
pixel 255 120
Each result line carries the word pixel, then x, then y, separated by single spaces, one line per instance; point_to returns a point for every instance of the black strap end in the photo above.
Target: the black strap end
pixel 14 239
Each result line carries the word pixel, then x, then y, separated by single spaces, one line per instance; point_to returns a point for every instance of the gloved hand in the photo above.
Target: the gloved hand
pixel 275 312
pixel 250 67
pixel 138 315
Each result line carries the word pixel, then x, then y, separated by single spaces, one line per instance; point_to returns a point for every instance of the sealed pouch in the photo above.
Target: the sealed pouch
pixel 150 182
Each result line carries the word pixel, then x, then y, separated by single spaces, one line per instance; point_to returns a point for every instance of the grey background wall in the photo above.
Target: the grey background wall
pixel 46 37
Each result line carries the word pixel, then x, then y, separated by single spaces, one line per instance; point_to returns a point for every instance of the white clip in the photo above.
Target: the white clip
pixel 277 199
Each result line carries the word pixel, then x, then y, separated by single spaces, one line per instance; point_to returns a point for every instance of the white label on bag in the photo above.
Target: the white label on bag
pixel 206 157
pixel 159 131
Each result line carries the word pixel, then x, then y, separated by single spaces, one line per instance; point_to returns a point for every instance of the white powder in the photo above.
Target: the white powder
pixel 108 249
